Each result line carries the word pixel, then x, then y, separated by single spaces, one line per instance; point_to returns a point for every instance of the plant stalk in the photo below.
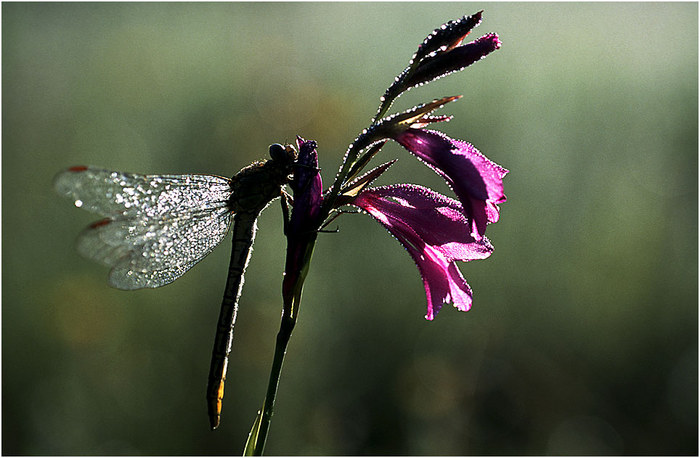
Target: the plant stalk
pixel 283 336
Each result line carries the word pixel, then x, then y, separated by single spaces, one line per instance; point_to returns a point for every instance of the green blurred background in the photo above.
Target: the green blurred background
pixel 583 337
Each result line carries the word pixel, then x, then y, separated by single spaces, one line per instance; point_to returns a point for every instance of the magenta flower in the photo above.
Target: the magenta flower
pixel 307 187
pixel 304 222
pixel 434 229
pixel 435 232
pixel 477 182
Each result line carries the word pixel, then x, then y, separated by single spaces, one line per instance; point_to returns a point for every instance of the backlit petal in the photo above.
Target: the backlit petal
pixel 477 181
pixel 435 232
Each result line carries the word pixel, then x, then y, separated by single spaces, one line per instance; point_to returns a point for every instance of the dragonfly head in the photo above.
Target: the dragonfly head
pixel 284 155
pixel 283 159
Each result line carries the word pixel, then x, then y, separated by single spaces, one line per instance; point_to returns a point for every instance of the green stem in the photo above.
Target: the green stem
pixel 285 332
pixel 387 100
pixel 395 90
pixel 366 138
pixel 290 311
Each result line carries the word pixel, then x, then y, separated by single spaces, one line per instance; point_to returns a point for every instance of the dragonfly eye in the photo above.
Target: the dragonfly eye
pixel 281 153
pixel 277 152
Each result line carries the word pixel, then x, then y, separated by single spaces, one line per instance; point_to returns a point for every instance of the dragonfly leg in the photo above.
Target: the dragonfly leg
pixel 285 201
pixel 336 213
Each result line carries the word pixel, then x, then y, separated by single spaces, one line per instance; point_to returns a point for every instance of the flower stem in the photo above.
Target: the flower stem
pixel 283 336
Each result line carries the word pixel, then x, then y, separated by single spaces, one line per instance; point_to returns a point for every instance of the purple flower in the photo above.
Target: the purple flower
pixel 307 187
pixel 435 232
pixel 477 181
pixel 304 221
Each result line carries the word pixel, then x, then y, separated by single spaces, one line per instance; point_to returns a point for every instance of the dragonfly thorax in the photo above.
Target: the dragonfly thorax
pixel 261 182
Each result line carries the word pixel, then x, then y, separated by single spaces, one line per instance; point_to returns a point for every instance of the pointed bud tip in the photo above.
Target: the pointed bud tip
pixel 494 39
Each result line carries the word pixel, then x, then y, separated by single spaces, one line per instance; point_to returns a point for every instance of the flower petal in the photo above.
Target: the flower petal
pixel 435 232
pixel 477 181
pixel 304 222
pixel 307 187
pixel 443 283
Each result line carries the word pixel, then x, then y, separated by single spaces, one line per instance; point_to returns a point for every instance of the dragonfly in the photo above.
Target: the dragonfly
pixel 156 227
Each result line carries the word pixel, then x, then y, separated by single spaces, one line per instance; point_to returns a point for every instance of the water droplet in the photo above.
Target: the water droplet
pixel 78 203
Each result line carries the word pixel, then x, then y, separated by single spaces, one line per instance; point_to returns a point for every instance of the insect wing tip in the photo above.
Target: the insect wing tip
pixel 100 223
pixel 67 182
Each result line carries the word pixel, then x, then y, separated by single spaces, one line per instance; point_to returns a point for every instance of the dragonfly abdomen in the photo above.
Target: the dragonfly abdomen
pixel 253 188
pixel 244 228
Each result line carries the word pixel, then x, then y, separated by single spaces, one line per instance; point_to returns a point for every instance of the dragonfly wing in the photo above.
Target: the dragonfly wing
pixel 154 251
pixel 111 193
